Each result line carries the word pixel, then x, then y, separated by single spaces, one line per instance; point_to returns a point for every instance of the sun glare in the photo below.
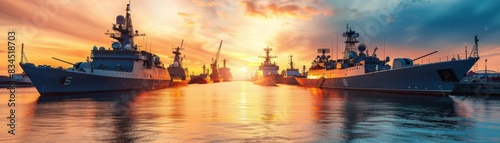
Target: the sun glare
pixel 243 69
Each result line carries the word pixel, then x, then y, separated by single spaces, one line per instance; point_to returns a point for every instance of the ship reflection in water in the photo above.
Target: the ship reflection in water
pixel 244 112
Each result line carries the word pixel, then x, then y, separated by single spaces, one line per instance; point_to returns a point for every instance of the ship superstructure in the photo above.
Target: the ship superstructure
pixel 288 75
pixel 268 71
pixel 179 74
pixel 225 72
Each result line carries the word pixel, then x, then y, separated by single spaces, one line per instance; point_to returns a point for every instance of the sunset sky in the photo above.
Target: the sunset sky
pixel 69 29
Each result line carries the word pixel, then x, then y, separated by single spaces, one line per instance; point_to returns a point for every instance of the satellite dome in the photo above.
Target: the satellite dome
pixel 352 55
pixel 94 48
pixel 120 19
pixel 362 47
pixel 116 45
pixel 102 48
pixel 127 47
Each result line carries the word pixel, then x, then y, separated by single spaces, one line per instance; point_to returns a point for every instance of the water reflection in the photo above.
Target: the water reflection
pixel 244 112
pixel 177 105
pixel 108 116
pixel 368 116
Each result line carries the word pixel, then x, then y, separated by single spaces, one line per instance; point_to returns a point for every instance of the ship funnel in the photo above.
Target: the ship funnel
pixel 120 19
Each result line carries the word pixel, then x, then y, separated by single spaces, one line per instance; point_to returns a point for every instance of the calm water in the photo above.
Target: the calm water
pixel 243 112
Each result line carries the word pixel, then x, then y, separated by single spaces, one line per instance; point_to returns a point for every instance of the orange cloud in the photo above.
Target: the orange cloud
pixel 284 9
pixel 188 19
pixel 253 9
pixel 206 3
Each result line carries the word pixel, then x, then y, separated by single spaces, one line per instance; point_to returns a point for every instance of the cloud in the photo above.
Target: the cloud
pixel 188 19
pixel 253 9
pixel 283 9
pixel 206 3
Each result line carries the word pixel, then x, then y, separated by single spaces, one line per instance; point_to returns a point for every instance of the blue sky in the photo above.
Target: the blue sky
pixel 423 23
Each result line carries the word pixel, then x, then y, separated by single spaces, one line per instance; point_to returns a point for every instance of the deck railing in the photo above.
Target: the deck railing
pixel 440 59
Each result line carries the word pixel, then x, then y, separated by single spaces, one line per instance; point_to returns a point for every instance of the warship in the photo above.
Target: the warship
pixel 180 75
pixel 288 75
pixel 215 75
pixel 267 74
pixel 225 72
pixel 203 78
pixel 317 69
pixel 121 67
pixel 360 71
pixel 194 78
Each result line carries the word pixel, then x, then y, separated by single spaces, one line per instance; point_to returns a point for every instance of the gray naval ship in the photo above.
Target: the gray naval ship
pixel 360 71
pixel 179 74
pixel 288 75
pixel 121 67
pixel 267 74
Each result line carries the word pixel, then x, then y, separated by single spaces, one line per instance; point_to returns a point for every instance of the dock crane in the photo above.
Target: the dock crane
pixel 214 76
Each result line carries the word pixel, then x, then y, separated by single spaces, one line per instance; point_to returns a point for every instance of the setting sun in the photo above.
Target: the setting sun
pixel 243 69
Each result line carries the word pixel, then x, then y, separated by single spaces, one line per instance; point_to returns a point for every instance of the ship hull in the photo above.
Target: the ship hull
pixel 178 81
pixel 180 76
pixel 218 80
pixel 194 79
pixel 270 80
pixel 288 80
pixel 226 79
pixel 49 81
pixel 204 81
pixel 225 74
pixel 307 82
pixel 435 78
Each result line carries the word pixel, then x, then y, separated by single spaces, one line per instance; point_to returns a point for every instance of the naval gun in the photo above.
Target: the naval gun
pixel 62 61
pixel 424 55
pixel 405 62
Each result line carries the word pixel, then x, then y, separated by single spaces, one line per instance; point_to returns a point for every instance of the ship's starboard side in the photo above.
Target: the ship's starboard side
pixel 429 78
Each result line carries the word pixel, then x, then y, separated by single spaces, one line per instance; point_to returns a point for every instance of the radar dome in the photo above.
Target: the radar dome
pixel 120 19
pixel 362 47
pixel 352 55
pixel 102 47
pixel 116 45
pixel 127 47
pixel 94 48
